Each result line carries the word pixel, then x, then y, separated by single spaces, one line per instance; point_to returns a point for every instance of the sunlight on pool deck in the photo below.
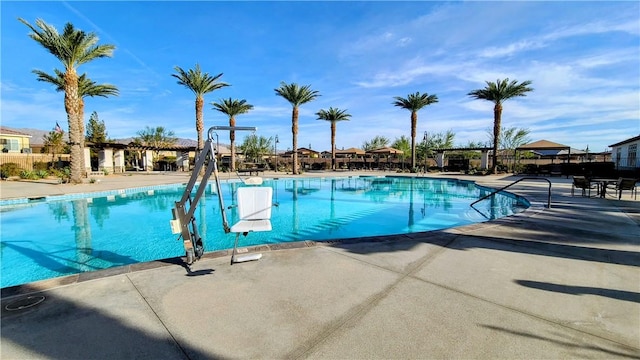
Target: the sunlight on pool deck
pixel 554 283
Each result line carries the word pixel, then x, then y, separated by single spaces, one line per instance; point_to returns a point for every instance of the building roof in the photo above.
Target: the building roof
pixel 134 146
pixel 8 131
pixel 352 150
pixel 303 150
pixel 386 150
pixel 543 145
pixel 635 138
pixel 485 148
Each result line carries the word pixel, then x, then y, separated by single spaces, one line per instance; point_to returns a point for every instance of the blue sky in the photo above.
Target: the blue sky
pixel 583 59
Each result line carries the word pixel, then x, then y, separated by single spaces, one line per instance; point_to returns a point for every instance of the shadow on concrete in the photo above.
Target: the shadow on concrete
pixel 630 354
pixel 582 290
pixel 200 272
pixel 566 251
pixel 181 262
pixel 465 242
pixel 58 328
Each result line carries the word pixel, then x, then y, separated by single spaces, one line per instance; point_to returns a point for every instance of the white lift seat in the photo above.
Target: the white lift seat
pixel 254 209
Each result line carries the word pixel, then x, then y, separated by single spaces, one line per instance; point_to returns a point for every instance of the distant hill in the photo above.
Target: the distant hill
pixel 37 136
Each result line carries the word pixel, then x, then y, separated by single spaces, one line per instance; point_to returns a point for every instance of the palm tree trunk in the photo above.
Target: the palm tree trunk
pixel 232 140
pixel 333 145
pixel 199 123
pixel 497 117
pixel 81 115
pixel 294 132
pixel 414 124
pixel 71 106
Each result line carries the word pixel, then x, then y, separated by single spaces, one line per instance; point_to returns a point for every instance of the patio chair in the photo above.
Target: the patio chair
pixel 581 182
pixel 254 209
pixel 626 184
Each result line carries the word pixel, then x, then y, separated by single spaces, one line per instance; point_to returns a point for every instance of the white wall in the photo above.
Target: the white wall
pixel 622 158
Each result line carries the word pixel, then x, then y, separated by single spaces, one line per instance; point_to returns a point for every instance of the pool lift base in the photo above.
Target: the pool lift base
pixel 245 258
pixel 235 258
pixel 184 221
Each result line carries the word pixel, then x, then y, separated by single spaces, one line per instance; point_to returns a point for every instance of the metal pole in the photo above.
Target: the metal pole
pixel 425 151
pixel 275 150
pixel 218 157
pixel 230 128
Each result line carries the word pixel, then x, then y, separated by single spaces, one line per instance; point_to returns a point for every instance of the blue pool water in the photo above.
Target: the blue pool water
pixel 87 232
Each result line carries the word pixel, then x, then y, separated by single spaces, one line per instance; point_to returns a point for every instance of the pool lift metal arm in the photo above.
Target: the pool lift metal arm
pixel 184 221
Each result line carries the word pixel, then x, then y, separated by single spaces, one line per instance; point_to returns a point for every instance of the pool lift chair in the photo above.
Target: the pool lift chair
pixel 251 205
pixel 254 210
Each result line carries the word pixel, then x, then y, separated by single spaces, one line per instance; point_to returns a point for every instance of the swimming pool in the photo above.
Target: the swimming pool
pixel 65 235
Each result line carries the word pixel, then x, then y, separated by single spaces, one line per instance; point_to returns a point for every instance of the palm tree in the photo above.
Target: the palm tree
pixel 86 87
pixel 200 83
pixel 73 48
pixel 296 96
pixel 402 144
pixel 413 103
pixel 333 115
pixel 376 143
pixel 231 108
pixel 255 147
pixel 497 93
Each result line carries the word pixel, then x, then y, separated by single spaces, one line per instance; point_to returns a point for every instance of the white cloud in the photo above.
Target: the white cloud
pixel 511 49
pixel 405 41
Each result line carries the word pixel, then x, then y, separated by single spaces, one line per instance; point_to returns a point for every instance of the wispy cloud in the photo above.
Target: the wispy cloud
pixel 511 49
pixel 543 40
pixel 109 37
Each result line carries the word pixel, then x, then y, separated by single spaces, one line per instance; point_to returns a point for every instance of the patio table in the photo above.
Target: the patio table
pixel 603 182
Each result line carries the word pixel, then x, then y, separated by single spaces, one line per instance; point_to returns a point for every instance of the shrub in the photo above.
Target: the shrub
pixel 26 174
pixel 64 174
pixel 41 174
pixel 519 168
pixel 318 166
pixel 39 165
pixel 9 169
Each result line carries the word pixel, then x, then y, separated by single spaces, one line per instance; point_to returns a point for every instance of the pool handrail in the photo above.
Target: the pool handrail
pixel 513 183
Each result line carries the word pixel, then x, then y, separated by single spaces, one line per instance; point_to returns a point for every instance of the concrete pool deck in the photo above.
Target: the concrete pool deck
pixel 562 282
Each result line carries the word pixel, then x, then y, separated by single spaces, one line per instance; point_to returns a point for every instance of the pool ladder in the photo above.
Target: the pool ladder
pixel 505 187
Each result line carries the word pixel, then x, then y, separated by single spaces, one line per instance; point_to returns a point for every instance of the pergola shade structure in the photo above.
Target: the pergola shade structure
pixel 350 152
pixel 111 156
pixel 386 151
pixel 547 148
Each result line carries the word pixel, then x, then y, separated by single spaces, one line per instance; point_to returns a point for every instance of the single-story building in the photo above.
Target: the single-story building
pixel 303 153
pixel 12 141
pixel 625 154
